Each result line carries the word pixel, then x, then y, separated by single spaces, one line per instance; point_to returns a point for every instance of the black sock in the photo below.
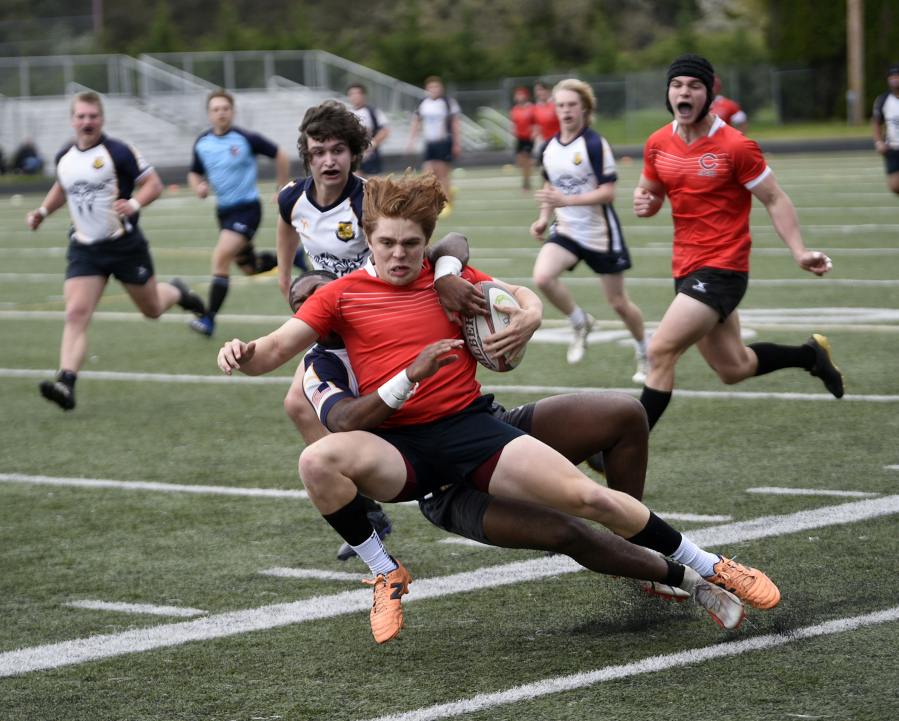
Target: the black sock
pixel 655 402
pixel 67 378
pixel 773 357
pixel 351 522
pixel 265 261
pixel 657 536
pixel 217 292
pixel 675 575
pixel 371 505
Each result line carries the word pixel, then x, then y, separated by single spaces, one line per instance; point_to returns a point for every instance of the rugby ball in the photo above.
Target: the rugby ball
pixel 475 329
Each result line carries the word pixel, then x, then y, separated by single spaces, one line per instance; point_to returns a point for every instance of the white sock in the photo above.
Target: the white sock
pixel 578 318
pixel 689 554
pixel 375 555
pixel 642 346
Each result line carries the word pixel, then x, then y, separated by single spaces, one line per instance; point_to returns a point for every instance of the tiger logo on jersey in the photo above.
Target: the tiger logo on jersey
pixel 345 231
pixel 578 159
pixel 98 163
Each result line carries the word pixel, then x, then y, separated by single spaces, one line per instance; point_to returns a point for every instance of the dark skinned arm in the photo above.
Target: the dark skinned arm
pixel 457 295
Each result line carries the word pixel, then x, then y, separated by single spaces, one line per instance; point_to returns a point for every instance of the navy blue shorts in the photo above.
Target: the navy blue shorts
pixel 524 146
pixel 460 508
pixel 721 290
pixel 601 263
pixel 891 160
pixel 456 449
pixel 244 218
pixel 373 164
pixel 441 150
pixel 127 258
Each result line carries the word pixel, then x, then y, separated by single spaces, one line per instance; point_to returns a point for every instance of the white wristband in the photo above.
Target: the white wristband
pixel 135 205
pixel 397 390
pixel 43 212
pixel 447 265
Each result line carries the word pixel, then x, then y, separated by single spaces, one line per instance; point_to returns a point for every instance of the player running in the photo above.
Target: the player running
pixel 885 126
pixel 728 110
pixel 580 186
pixel 375 122
pixel 522 122
pixel 225 158
pixel 711 171
pixel 325 210
pixel 98 175
pixel 442 430
pixel 545 111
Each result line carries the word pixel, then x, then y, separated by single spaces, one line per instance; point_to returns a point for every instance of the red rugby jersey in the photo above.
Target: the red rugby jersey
pixel 545 115
pixel 385 327
pixel 726 109
pixel 522 117
pixel 708 183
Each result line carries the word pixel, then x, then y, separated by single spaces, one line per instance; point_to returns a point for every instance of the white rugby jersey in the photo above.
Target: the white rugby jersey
pixel 886 111
pixel 332 235
pixel 93 180
pixel 436 118
pixel 372 119
pixel 575 168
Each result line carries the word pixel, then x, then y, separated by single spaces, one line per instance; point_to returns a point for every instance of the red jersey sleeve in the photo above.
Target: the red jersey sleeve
pixel 649 156
pixel 320 310
pixel 749 163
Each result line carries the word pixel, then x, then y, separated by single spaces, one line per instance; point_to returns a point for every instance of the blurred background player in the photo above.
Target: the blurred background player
pixel 545 111
pixel 27 160
pixel 225 158
pixel 711 171
pixel 438 117
pixel 522 127
pixel 97 176
pixel 728 110
pixel 885 126
pixel 375 122
pixel 580 186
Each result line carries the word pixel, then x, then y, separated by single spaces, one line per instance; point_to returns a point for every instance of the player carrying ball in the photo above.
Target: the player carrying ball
pixel 710 171
pixel 442 430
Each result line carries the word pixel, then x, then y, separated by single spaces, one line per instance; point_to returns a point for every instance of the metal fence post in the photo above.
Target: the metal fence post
pixel 775 96
pixel 629 101
pixel 68 71
pixel 229 71
pixel 24 79
pixel 269 67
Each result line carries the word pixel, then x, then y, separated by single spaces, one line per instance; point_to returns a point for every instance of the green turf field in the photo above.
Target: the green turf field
pixel 529 639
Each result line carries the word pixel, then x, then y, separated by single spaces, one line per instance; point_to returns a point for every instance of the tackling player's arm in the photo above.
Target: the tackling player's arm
pixel 288 242
pixel 648 197
pixel 456 294
pixel 786 223
pixel 371 410
pixel 54 200
pixel 263 355
pixel 523 322
pixel 150 189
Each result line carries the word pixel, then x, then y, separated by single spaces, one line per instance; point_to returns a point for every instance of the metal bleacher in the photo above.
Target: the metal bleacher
pixel 157 102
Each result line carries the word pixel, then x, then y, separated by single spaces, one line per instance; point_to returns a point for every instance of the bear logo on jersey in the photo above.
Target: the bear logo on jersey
pixel 578 159
pixel 345 231
pixel 98 163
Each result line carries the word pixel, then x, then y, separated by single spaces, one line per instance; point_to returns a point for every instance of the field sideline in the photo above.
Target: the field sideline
pixel 160 559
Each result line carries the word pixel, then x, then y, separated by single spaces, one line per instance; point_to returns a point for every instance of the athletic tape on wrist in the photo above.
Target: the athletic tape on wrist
pixel 43 212
pixel 447 265
pixel 397 390
pixel 135 204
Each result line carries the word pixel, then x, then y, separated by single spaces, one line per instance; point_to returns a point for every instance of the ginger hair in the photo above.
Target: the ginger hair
pixel 419 199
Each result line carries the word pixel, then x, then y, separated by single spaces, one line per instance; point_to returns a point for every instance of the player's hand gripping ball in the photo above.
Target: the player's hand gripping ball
pixel 476 329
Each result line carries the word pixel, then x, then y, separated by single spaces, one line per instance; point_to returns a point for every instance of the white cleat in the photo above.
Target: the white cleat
pixel 642 369
pixel 578 348
pixel 726 609
pixel 664 591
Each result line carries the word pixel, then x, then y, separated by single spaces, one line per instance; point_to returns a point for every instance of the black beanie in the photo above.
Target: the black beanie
pixel 693 66
pixel 894 69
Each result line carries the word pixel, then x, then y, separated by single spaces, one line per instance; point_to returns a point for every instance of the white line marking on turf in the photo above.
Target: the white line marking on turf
pixel 465 542
pixel 83 650
pixel 530 390
pixel 653 664
pixel 811 492
pixel 694 517
pixel 892 468
pixel 313 573
pixel 151 486
pixel 137 608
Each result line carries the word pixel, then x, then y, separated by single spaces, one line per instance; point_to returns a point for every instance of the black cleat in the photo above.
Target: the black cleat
pixel 824 367
pixel 190 299
pixel 596 463
pixel 59 393
pixel 382 526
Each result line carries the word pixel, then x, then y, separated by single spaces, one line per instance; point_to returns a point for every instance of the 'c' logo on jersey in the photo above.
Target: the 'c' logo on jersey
pixel 708 163
pixel 98 163
pixel 578 159
pixel 345 231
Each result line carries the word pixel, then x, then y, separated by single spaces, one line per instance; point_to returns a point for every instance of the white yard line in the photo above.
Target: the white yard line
pixel 892 468
pixel 810 492
pixel 138 608
pixel 151 486
pixel 694 517
pixel 654 664
pixel 312 573
pixel 529 390
pixel 222 625
pixel 465 542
